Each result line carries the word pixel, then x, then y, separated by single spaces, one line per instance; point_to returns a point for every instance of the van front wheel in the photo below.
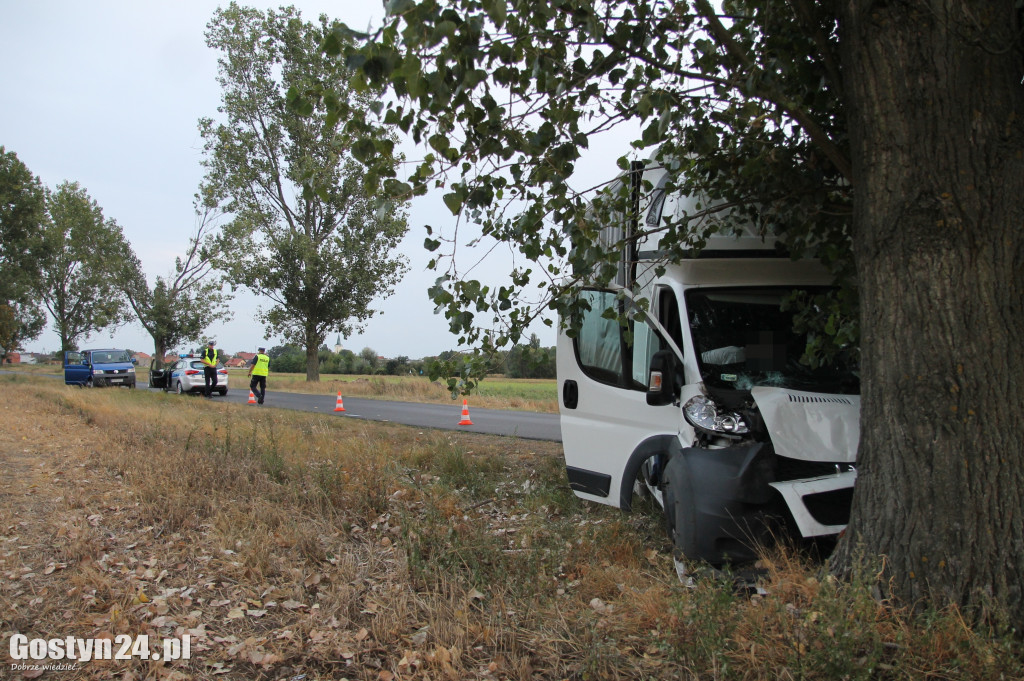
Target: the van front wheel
pixel 680 509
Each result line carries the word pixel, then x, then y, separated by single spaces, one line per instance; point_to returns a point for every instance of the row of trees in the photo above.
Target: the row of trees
pixel 320 256
pixel 292 359
pixel 522 361
pixel 58 255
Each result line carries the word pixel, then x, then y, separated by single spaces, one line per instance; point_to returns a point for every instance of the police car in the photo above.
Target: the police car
pixel 186 376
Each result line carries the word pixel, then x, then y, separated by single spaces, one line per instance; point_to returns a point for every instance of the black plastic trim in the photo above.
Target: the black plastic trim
pixel 570 394
pixel 589 482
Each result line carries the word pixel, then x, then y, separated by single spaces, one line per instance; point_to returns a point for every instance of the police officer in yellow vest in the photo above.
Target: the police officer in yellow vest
pixel 209 359
pixel 259 367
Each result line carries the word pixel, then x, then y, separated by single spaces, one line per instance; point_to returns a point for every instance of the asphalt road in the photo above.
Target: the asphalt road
pixel 525 424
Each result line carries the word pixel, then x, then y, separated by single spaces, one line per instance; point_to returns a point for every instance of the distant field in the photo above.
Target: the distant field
pixel 498 393
pixel 525 394
pixel 33 368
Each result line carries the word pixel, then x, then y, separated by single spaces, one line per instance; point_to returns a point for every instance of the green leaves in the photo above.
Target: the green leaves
pixel 299 102
pixel 393 7
pixel 497 11
pixel 454 201
pixel 78 288
pixel 315 195
pixel 744 115
pixel 22 213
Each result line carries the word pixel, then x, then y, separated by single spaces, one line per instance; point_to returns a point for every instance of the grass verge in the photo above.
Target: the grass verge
pixel 294 545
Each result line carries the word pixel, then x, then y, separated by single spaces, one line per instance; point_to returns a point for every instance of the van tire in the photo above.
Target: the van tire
pixel 680 509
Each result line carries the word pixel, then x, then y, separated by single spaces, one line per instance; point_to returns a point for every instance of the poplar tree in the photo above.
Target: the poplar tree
pixel 322 257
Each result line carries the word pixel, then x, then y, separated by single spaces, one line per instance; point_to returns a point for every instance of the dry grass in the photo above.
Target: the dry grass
pixel 299 546
pixel 33 368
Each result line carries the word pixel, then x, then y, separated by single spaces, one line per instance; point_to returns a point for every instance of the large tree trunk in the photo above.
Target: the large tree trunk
pixel 313 342
pixel 937 134
pixel 160 348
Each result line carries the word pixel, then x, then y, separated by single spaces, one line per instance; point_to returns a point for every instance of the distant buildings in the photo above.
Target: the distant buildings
pixel 28 358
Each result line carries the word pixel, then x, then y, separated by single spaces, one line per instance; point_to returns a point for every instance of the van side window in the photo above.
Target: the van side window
pixel 668 314
pixel 599 343
pixel 611 354
pixel 647 341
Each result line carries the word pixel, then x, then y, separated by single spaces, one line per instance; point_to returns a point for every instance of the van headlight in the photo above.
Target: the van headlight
pixel 704 414
pixel 131 370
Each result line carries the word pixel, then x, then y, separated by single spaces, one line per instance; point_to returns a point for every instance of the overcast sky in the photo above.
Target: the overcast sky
pixel 108 94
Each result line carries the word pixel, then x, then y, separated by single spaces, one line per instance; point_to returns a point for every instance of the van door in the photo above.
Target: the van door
pixel 76 371
pixel 603 376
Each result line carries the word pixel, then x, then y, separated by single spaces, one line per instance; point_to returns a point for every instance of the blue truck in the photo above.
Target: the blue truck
pixel 101 367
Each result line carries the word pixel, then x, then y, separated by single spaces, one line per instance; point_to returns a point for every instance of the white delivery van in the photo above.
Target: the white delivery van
pixel 703 400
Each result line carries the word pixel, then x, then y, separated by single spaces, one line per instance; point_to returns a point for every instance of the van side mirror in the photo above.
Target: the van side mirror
pixel 663 385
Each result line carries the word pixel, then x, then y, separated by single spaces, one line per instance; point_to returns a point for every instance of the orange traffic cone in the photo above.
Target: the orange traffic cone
pixel 252 398
pixel 465 415
pixel 339 405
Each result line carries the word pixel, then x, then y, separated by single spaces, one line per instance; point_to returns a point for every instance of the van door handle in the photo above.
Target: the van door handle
pixel 570 394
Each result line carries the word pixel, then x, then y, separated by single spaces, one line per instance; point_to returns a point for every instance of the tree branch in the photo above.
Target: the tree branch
pixel 724 38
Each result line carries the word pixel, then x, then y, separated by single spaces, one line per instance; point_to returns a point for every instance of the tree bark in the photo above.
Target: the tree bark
pixel 312 356
pixel 937 140
pixel 160 348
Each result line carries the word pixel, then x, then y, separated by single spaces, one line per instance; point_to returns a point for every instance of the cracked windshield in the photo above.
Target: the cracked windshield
pixel 743 338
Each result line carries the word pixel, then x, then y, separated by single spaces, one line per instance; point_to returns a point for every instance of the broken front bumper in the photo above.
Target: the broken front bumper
pixel 819 506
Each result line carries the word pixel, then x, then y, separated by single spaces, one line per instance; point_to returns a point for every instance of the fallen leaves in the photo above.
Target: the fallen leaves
pixel 263 585
pixel 53 567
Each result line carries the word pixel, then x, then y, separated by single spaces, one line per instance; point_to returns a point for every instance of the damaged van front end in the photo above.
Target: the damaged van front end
pixel 782 461
pixel 705 402
pixel 685 377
